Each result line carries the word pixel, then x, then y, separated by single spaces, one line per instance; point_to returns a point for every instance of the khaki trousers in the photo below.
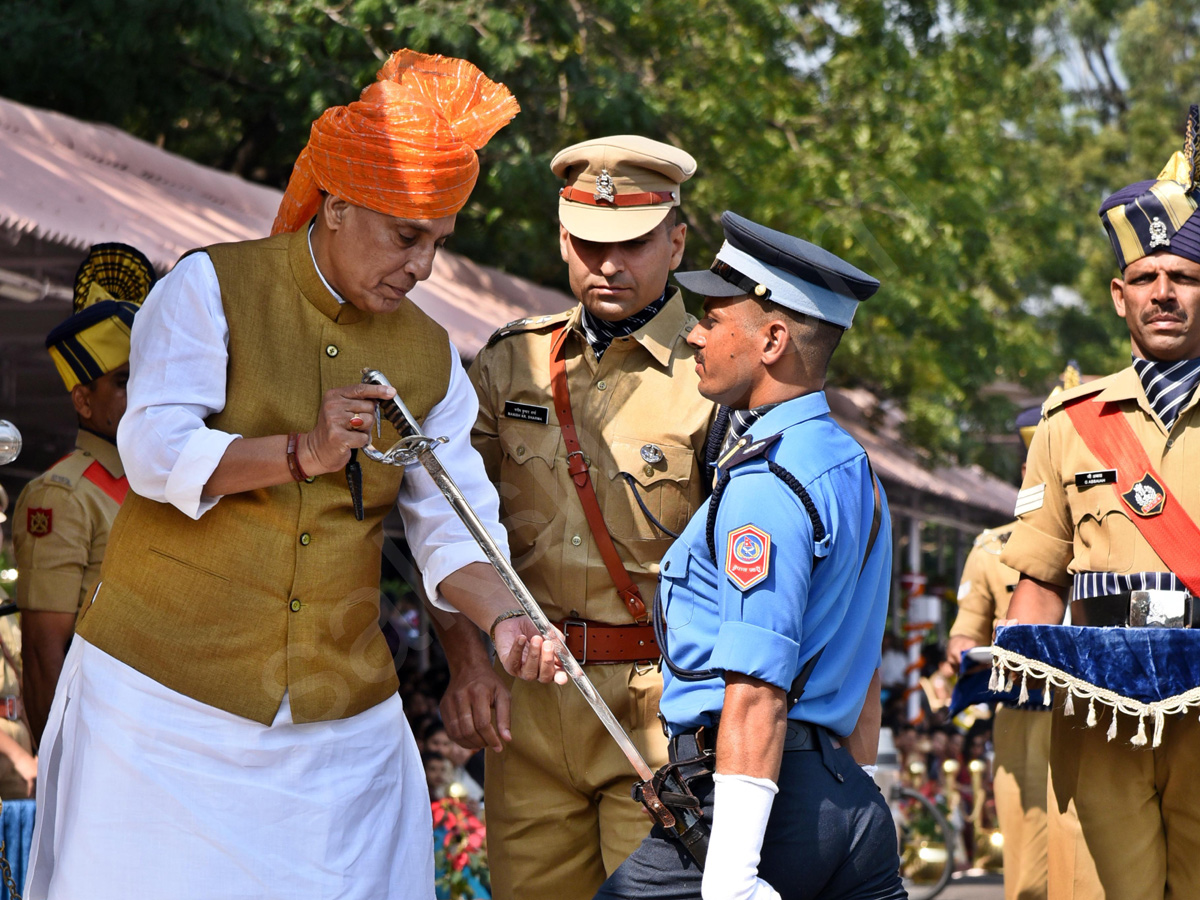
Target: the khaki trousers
pixel 1022 742
pixel 560 817
pixel 1124 821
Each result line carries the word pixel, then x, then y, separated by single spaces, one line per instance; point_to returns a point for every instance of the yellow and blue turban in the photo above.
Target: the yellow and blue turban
pixel 110 286
pixel 1150 216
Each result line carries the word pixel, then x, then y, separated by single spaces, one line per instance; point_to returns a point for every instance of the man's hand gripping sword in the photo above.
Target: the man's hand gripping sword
pixel 664 794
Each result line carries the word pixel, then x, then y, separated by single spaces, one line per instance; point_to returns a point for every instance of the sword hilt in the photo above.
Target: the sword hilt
pixel 412 440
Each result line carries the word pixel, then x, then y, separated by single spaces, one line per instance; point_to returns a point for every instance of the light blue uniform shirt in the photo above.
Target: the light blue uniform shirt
pixel 812 595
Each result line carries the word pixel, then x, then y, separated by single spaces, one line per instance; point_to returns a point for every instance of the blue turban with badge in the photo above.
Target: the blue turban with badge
pixel 1149 216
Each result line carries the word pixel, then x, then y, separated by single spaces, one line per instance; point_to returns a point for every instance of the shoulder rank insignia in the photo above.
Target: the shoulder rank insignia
pixel 747 448
pixel 1030 499
pixel 1147 497
pixel 533 323
pixel 39 522
pixel 748 557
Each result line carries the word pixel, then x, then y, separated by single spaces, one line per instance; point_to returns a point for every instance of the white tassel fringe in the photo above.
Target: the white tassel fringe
pixel 1007 666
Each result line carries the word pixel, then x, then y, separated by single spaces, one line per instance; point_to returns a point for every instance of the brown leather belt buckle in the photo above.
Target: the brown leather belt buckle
pixel 581 656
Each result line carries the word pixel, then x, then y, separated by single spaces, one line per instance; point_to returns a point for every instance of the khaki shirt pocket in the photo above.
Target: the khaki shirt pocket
pixel 1106 539
pixel 664 488
pixel 528 486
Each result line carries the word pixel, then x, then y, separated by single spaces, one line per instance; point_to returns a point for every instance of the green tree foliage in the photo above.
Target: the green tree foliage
pixel 932 143
pixel 1132 70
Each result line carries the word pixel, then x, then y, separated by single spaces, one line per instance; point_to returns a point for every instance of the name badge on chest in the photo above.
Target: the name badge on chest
pixel 527 412
pixel 1100 476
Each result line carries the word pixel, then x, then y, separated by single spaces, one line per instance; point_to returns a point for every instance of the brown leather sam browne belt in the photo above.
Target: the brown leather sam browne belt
pixel 595 643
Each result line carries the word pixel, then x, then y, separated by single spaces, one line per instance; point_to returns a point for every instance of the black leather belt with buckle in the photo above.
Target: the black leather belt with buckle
pixel 799 736
pixel 1137 609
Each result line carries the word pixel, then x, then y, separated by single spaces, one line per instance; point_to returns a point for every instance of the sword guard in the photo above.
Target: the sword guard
pixel 412 442
pixel 404 452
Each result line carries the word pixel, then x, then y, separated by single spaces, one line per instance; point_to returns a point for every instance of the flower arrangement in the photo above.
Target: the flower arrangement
pixel 460 851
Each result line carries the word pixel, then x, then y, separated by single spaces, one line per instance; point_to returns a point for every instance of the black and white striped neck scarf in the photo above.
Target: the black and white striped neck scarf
pixel 600 333
pixel 740 421
pixel 1168 385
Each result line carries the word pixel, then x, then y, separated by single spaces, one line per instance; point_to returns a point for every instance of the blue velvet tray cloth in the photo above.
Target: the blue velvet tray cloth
pixel 1142 672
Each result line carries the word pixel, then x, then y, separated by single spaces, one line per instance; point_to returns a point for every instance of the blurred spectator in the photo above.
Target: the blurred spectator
pixel 895 665
pixel 937 681
pixel 438 741
pixel 437 773
pixel 18 765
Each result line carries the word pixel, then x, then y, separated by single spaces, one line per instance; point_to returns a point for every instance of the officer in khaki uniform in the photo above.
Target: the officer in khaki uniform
pixel 1122 814
pixel 18 765
pixel 1021 736
pixel 560 816
pixel 63 517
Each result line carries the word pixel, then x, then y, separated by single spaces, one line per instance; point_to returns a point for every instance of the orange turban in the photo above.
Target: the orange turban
pixel 406 147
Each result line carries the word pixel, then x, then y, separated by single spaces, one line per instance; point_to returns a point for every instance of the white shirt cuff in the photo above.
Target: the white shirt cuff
pixel 198 460
pixel 448 559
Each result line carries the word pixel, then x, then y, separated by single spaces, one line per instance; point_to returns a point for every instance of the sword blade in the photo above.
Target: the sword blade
pixel 398 414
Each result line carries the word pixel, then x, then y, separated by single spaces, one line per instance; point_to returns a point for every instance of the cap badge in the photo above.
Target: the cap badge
pixel 652 454
pixel 605 189
pixel 1158 233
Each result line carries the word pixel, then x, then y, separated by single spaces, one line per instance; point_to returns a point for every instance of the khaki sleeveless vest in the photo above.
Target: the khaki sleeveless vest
pixel 274 589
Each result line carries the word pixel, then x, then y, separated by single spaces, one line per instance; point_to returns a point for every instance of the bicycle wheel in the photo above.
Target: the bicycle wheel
pixel 926 843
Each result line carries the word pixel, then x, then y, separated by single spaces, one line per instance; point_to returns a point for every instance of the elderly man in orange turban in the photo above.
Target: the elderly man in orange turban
pixel 227 719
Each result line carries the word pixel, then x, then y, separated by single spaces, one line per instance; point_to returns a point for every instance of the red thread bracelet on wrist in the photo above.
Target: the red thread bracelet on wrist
pixel 293 460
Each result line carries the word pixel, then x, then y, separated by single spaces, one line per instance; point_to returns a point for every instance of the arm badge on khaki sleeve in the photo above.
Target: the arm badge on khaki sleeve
pixel 1030 499
pixel 39 522
pixel 748 557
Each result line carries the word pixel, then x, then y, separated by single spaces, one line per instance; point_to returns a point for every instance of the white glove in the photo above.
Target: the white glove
pixel 741 807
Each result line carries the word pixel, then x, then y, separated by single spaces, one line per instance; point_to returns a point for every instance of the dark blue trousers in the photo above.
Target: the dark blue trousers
pixel 830 837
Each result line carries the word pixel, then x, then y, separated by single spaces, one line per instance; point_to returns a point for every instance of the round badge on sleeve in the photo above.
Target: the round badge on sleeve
pixel 748 556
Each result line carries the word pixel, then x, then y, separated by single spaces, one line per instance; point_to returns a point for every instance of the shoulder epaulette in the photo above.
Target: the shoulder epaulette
pixel 68 470
pixel 532 323
pixel 1083 390
pixel 746 450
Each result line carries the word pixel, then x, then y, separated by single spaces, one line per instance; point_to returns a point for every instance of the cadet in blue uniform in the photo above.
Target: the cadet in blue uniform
pixel 776 590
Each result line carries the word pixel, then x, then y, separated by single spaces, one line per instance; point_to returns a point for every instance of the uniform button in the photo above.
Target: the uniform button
pixel 521 450
pixel 295 605
pixel 576 540
pixel 667 566
pixel 1170 443
pixel 310 479
pixel 331 350
pixel 649 470
pixel 306 539
pixel 602 386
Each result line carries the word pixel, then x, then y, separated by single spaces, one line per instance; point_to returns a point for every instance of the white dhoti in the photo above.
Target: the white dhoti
pixel 144 792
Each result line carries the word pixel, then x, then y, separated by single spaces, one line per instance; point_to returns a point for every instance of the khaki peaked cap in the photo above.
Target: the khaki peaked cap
pixel 618 188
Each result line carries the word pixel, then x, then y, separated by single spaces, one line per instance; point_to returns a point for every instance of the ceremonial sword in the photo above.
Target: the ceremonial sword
pixel 682 818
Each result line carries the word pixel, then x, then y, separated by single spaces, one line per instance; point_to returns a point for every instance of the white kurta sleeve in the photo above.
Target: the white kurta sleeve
pixel 177 369
pixel 439 541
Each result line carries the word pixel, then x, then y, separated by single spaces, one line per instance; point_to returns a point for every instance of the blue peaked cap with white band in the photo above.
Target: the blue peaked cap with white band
pixel 786 270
